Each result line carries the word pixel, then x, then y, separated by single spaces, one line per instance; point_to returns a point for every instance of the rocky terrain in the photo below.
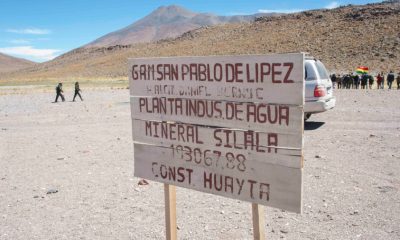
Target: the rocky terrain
pixel 9 63
pixel 343 38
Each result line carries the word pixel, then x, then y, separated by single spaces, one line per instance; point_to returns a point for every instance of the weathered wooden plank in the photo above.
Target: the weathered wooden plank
pixel 239 115
pixel 262 183
pixel 280 149
pixel 258 221
pixel 170 211
pixel 254 78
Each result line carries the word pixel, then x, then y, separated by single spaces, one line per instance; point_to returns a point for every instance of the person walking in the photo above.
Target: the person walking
pixel 352 86
pixel 379 81
pixel 339 81
pixel 356 80
pixel 77 90
pixel 383 80
pixel 398 81
pixel 390 79
pixel 333 79
pixel 364 81
pixel 59 92
pixel 370 81
pixel 346 81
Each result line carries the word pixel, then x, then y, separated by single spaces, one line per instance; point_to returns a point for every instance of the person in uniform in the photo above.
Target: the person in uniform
pixel 59 92
pixel 339 80
pixel 333 79
pixel 390 79
pixel 370 81
pixel 364 81
pixel 77 90
pixel 357 81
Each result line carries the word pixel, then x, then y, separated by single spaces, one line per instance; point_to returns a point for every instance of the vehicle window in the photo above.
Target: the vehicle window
pixel 309 72
pixel 322 70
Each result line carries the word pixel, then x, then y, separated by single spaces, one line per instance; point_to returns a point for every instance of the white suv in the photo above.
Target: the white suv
pixel 318 88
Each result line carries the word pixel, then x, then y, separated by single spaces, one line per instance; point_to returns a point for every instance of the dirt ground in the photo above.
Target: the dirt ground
pixel 66 172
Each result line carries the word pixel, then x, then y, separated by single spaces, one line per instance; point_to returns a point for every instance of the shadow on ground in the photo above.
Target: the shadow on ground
pixel 313 125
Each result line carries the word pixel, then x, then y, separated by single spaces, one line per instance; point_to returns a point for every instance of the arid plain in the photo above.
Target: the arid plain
pixel 67 173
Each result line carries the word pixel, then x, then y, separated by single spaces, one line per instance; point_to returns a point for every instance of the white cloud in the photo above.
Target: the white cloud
pixel 19 41
pixel 280 10
pixel 34 31
pixel 31 52
pixel 332 5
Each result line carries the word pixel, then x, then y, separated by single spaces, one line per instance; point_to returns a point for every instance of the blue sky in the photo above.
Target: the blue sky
pixel 40 30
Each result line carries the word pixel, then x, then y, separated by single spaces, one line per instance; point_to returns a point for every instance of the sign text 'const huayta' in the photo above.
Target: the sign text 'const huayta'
pixel 217 72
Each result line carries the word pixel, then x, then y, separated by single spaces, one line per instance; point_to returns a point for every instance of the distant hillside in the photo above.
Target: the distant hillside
pixel 9 63
pixel 343 38
pixel 164 22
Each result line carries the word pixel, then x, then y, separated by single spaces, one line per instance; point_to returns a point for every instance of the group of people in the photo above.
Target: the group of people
pixel 59 92
pixel 365 81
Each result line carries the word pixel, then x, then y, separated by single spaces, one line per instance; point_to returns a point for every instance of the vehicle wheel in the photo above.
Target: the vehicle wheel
pixel 307 116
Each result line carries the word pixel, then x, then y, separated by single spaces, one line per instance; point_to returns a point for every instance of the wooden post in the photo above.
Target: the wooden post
pixel 258 221
pixel 170 211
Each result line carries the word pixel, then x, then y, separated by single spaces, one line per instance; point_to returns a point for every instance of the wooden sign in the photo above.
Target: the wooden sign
pixel 225 125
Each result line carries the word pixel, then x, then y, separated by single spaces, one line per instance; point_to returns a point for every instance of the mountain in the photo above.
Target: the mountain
pixel 343 38
pixel 9 63
pixel 164 22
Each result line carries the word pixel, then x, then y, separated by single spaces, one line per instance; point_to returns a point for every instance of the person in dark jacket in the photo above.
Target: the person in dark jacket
pixel 364 81
pixel 356 80
pixel 77 90
pixel 370 81
pixel 347 81
pixel 333 79
pixel 351 81
pixel 398 81
pixel 390 79
pixel 59 92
